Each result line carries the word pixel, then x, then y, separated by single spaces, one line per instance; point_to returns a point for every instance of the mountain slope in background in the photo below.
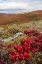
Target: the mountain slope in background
pixel 21 17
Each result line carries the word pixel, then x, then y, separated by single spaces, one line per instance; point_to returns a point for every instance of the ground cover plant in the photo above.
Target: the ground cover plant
pixel 29 51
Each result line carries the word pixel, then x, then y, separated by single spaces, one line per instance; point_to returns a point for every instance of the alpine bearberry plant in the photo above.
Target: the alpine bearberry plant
pixel 29 49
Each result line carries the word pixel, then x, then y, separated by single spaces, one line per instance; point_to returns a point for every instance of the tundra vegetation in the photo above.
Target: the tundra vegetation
pixel 26 49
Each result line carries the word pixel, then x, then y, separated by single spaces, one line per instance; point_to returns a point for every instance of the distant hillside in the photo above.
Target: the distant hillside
pixel 20 18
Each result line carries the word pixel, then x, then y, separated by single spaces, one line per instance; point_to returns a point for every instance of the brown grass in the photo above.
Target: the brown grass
pixel 20 18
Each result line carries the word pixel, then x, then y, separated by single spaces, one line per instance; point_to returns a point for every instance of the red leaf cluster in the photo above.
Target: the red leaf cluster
pixel 31 44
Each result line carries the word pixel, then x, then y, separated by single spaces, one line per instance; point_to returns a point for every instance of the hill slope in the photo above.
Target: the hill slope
pixel 20 18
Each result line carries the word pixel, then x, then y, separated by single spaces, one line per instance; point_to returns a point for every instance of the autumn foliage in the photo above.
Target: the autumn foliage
pixel 32 44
